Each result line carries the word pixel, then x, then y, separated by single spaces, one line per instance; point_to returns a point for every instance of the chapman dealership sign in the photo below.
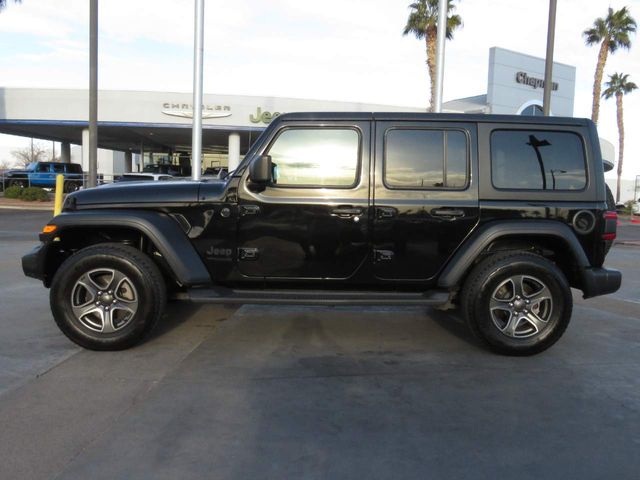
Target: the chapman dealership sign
pixel 185 110
pixel 533 82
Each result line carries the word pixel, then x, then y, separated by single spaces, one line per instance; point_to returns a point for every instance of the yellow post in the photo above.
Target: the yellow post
pixel 57 204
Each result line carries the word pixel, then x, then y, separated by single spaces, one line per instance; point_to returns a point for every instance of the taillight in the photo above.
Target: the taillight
pixel 610 226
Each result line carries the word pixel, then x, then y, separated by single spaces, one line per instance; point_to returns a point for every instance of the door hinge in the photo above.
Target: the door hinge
pixel 383 255
pixel 248 253
pixel 249 210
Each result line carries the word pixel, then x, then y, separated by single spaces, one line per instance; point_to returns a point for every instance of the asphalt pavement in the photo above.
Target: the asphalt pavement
pixel 313 392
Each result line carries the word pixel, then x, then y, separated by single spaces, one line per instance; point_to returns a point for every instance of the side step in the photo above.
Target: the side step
pixel 314 297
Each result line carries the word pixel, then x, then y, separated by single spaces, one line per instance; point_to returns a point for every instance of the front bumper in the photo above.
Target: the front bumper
pixel 600 281
pixel 33 263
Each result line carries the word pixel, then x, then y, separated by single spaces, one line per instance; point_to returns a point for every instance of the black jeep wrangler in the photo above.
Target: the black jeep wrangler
pixel 497 215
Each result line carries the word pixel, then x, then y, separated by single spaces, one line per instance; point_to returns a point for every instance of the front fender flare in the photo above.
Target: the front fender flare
pixel 159 228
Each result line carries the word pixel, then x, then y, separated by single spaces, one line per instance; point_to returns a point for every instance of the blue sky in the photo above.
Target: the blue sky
pixel 351 50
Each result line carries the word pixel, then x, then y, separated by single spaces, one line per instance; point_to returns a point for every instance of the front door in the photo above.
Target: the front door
pixel 426 196
pixel 311 221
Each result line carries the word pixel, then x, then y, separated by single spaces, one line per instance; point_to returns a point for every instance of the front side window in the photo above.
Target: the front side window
pixel 316 157
pixel 537 160
pixel 43 168
pixel 425 159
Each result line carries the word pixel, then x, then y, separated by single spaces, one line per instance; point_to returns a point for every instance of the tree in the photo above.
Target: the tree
pixel 612 32
pixel 423 23
pixel 618 86
pixel 3 3
pixel 27 155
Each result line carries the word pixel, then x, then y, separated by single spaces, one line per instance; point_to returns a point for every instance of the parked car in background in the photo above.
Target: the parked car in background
pixel 168 169
pixel 216 172
pixel 43 174
pixel 142 177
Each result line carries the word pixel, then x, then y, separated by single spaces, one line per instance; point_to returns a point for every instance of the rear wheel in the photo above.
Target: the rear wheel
pixel 18 183
pixel 517 303
pixel 69 187
pixel 107 297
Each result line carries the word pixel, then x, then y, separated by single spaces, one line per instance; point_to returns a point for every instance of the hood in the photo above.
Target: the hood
pixel 142 193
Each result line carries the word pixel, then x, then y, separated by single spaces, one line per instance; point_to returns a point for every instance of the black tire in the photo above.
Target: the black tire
pixel 143 284
pixel 17 183
pixel 69 187
pixel 493 282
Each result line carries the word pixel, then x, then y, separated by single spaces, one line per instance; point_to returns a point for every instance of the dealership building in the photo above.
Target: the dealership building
pixel 136 128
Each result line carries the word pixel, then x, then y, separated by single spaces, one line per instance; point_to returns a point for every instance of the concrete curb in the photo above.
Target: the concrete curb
pixel 28 207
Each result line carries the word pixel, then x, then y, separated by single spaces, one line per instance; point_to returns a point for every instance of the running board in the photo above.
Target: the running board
pixel 314 297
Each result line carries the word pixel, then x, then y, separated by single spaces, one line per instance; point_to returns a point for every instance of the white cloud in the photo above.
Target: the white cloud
pixel 335 49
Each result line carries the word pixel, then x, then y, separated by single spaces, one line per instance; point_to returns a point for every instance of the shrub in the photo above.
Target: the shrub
pixel 13 192
pixel 33 194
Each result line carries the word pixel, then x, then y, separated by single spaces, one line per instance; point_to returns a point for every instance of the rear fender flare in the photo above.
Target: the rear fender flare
pixel 464 257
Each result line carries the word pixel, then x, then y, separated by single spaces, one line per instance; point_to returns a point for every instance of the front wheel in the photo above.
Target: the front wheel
pixel 107 296
pixel 517 303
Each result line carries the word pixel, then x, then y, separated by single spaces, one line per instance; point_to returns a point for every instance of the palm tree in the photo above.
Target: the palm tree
pixel 3 3
pixel 422 22
pixel 612 33
pixel 619 85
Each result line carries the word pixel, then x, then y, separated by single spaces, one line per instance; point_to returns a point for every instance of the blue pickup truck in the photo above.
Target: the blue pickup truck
pixel 43 174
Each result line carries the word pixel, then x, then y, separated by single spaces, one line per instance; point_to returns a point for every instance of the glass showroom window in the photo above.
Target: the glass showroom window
pixel 533 110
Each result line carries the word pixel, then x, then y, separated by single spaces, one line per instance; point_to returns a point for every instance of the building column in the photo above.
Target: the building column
pixel 65 152
pixel 128 161
pixel 85 149
pixel 234 151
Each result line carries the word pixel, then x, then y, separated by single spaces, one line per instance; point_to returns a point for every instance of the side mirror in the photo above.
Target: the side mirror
pixel 260 170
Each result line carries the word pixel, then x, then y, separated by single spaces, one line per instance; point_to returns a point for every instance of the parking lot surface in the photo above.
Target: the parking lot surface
pixel 308 392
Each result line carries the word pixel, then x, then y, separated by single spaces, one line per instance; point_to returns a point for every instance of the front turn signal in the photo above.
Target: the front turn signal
pixel 49 228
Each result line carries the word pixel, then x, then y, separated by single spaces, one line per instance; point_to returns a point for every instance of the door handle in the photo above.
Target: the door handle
pixel 347 212
pixel 447 212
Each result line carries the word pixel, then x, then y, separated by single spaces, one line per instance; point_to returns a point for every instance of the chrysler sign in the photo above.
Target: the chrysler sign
pixel 533 82
pixel 185 110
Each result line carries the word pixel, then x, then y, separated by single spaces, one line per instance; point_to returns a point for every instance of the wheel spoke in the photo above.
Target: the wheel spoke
pixel 81 311
pixel 540 296
pixel 87 282
pixel 536 321
pixel 107 321
pixel 116 280
pixel 512 325
pixel 518 285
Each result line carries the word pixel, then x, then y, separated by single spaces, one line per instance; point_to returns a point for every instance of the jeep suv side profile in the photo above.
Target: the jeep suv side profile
pixel 499 216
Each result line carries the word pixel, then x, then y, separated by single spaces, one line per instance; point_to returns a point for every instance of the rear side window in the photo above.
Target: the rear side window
pixel 74 168
pixel 425 159
pixel 58 168
pixel 316 157
pixel 537 160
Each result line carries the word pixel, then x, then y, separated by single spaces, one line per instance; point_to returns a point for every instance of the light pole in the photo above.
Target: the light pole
pixel 93 93
pixel 198 50
pixel 440 42
pixel 536 144
pixel 548 64
pixel 553 176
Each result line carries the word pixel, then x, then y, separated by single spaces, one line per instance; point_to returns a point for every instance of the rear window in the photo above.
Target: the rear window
pixel 425 159
pixel 537 160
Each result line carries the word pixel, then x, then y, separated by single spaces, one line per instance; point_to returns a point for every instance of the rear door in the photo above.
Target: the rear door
pixel 425 196
pixel 311 222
